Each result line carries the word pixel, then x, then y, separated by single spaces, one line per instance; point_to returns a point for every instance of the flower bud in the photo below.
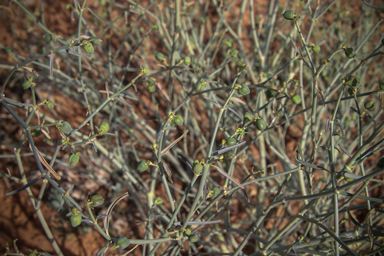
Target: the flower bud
pixel 36 132
pixel 65 127
pixel 151 88
pixel 49 104
pixel 348 179
pixel 270 93
pixel 316 49
pixel 97 200
pixel 188 231
pixel 380 163
pixel 88 48
pixel 158 200
pixel 229 155
pixel 177 120
pixel 197 167
pixel 231 141
pixel 123 242
pixel 160 56
pixel 155 27
pixel 187 60
pixel 234 52
pixel 353 81
pixel 382 85
pixel 75 220
pixel 193 238
pixel 48 37
pixel 200 85
pixel 142 166
pixel 94 41
pixel 296 99
pixel 74 158
pixel 289 15
pixel 369 104
pixel 27 84
pixel 216 191
pixel 349 53
pixel 248 117
pixel 260 124
pixel 104 127
pixel 144 70
pixel 244 90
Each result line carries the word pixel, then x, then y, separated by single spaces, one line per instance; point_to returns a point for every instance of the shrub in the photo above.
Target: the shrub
pixel 165 99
